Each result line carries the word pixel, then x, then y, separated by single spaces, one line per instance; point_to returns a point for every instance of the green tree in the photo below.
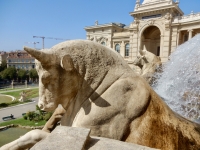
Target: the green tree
pixel 3 66
pixel 9 73
pixel 22 74
pixel 33 74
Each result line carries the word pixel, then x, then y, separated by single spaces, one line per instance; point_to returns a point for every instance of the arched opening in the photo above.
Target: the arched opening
pixel 150 40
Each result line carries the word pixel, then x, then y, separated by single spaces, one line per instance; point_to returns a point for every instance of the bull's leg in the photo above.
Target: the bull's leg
pixel 26 141
pixel 55 118
pixel 34 136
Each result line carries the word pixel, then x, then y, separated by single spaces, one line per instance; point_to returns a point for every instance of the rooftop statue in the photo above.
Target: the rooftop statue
pixel 101 92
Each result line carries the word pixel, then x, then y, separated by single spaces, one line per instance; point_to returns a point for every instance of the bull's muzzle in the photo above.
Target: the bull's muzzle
pixel 41 105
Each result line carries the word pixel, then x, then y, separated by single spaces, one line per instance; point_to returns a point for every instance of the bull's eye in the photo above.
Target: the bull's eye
pixel 46 77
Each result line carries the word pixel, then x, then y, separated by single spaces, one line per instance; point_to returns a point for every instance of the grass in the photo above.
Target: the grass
pixel 23 122
pixel 5 99
pixel 6 89
pixel 30 93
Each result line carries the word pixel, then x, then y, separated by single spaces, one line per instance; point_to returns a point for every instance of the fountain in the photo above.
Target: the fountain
pixel 179 82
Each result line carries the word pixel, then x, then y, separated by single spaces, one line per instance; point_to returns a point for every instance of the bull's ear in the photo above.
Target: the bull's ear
pixel 67 63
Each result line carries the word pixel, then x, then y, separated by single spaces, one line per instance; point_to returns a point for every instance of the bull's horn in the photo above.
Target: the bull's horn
pixel 39 55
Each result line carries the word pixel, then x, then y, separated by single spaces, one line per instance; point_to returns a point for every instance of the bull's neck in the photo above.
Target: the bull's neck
pixel 91 90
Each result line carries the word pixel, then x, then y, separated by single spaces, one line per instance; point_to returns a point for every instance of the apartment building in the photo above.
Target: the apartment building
pixel 20 60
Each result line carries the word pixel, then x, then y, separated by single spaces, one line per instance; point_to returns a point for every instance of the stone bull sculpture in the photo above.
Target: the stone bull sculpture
pixel 100 91
pixel 148 63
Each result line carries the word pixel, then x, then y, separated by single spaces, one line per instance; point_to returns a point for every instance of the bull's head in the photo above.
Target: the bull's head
pixel 58 79
pixel 139 61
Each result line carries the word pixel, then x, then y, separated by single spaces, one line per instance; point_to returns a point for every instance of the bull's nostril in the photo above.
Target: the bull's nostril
pixel 40 106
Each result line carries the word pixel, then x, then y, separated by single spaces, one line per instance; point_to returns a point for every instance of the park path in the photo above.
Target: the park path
pixel 18 110
pixel 19 89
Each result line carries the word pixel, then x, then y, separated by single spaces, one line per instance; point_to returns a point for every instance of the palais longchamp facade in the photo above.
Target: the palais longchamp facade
pixel 159 26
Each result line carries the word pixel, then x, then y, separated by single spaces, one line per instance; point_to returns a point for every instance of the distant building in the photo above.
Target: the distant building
pixel 3 56
pixel 159 26
pixel 20 60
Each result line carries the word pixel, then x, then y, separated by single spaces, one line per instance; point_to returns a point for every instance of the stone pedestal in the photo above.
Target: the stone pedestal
pixel 26 86
pixel 12 85
pixel 71 138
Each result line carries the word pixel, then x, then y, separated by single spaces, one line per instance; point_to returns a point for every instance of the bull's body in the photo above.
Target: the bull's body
pixel 101 92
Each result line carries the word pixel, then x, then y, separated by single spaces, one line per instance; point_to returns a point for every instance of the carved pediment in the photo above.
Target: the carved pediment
pixel 150 22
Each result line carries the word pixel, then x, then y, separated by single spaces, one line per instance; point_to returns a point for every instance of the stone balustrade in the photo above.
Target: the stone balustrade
pixel 187 18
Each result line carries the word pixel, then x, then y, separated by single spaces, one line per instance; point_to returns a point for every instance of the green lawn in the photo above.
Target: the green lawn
pixel 23 122
pixel 30 93
pixel 5 99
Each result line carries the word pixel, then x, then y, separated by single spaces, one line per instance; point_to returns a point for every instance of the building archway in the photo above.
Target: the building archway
pixel 150 40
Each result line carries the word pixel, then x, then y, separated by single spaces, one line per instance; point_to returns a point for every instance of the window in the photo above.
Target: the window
pixel 117 48
pixel 127 50
pixel 103 43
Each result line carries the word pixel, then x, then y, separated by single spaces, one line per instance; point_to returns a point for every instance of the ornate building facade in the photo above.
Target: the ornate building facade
pixel 159 26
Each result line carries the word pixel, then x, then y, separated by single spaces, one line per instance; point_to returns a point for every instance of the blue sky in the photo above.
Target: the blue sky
pixel 20 20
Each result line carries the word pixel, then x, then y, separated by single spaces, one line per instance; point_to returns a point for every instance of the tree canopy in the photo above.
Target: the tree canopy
pixel 3 66
pixel 33 73
pixel 9 73
pixel 22 74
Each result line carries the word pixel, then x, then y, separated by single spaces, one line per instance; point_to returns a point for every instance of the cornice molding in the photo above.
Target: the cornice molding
pixel 102 26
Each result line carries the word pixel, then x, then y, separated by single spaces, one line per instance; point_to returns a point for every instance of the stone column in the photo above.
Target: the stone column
pixel 178 36
pixel 161 44
pixel 190 33
pixel 122 49
pixel 133 39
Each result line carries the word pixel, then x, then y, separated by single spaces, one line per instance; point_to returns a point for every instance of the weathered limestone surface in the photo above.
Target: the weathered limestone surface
pixel 71 138
pixel 100 143
pixel 101 92
pixel 64 138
